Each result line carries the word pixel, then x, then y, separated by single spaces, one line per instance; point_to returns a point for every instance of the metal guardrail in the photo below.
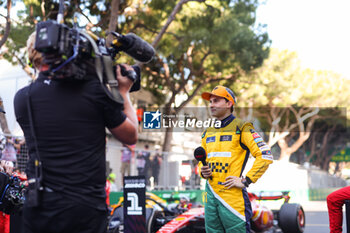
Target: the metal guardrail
pixel 21 150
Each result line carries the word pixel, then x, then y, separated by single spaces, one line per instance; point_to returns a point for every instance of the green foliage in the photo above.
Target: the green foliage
pixel 20 34
pixel 16 43
pixel 282 82
pixel 31 2
pixel 221 35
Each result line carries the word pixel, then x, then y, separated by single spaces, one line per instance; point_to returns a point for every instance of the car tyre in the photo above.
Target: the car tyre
pixel 291 218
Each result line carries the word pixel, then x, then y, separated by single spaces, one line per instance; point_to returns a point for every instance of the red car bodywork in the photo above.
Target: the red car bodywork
pixel 262 220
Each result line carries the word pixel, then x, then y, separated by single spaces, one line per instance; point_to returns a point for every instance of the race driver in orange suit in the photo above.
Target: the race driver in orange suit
pixel 227 207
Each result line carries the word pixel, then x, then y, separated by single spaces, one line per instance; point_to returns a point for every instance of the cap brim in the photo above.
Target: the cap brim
pixel 207 95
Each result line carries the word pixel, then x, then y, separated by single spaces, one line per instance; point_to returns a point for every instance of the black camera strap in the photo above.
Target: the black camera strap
pixel 37 161
pixel 104 65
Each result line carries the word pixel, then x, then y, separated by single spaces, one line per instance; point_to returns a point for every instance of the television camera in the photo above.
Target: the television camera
pixel 71 52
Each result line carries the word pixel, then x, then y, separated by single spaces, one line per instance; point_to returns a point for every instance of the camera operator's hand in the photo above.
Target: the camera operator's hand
pixel 127 131
pixel 125 83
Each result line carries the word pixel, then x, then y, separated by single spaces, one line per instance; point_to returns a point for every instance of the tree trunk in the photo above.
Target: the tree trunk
pixel 170 19
pixel 313 143
pixel 169 131
pixel 336 169
pixel 285 154
pixel 326 161
pixel 8 24
pixel 304 133
pixel 113 21
pixel 167 139
pixel 322 152
pixel 286 150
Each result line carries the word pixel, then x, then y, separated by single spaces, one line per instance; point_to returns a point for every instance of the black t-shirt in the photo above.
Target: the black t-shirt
pixel 70 119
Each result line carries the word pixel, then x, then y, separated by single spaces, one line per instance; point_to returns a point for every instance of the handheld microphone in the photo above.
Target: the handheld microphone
pixel 136 47
pixel 201 155
pixel 2 110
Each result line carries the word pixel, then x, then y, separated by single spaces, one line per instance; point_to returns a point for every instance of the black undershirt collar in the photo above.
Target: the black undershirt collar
pixel 226 121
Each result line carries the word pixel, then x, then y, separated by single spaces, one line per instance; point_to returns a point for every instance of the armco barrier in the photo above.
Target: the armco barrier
pixel 169 196
pixel 196 195
pixel 320 194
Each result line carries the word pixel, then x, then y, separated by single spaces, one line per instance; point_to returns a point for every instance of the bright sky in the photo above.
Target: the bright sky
pixel 318 30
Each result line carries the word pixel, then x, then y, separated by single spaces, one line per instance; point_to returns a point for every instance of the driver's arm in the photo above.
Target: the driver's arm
pixel 260 151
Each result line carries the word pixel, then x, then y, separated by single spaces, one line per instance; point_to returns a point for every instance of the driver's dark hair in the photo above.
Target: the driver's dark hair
pixel 231 106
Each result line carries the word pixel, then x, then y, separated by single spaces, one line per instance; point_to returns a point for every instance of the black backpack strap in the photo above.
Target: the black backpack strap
pixel 37 160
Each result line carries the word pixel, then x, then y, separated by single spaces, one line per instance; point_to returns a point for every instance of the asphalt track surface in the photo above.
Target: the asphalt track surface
pixel 316 222
pixel 316 215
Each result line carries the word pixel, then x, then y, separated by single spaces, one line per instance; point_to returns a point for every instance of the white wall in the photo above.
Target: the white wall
pixel 283 176
pixel 12 78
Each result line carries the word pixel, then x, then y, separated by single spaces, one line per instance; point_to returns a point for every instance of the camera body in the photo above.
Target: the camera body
pixel 48 37
pixel 58 43
pixel 11 193
pixel 70 53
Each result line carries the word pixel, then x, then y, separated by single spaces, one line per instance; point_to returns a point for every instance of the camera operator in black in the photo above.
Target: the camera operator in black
pixel 69 119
